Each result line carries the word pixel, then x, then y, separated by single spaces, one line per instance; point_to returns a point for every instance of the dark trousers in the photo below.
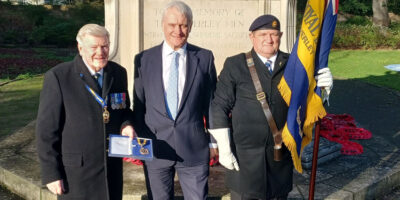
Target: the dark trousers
pixel 237 196
pixel 193 181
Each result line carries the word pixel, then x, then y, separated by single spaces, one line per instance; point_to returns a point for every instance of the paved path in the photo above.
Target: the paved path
pixel 374 108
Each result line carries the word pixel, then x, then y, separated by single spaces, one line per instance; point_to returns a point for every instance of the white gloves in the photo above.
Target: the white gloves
pixel 226 157
pixel 325 82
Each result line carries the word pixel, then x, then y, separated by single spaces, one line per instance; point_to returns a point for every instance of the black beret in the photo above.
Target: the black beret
pixel 265 22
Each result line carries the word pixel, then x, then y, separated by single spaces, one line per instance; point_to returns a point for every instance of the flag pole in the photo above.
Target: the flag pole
pixel 314 161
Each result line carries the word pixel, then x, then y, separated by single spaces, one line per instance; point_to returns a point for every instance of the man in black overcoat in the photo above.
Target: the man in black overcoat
pixel 253 173
pixel 81 103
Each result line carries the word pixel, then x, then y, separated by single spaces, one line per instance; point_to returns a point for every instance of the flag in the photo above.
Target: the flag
pixel 298 85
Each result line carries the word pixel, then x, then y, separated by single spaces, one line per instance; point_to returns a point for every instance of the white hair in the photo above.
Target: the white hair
pixel 182 8
pixel 93 30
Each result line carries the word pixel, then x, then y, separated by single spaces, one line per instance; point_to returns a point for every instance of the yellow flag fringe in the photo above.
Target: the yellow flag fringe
pixel 285 91
pixel 314 112
pixel 314 108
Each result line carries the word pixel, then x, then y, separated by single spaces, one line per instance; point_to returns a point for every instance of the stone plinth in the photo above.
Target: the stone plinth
pixel 327 151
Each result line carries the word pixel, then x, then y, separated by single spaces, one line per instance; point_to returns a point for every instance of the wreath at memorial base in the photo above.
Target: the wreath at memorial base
pixel 341 128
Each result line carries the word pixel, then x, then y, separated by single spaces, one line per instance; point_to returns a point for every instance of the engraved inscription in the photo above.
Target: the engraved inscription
pixel 221 26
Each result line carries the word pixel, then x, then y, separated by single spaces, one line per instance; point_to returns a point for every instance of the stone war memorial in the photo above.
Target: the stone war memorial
pixel 219 25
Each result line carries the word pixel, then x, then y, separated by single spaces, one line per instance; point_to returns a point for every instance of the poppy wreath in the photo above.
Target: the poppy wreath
pixel 341 128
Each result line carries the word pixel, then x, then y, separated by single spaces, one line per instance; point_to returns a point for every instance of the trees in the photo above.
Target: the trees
pixel 380 13
pixel 377 9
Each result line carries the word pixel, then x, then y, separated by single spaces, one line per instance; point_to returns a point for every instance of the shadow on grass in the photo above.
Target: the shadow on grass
pixel 391 80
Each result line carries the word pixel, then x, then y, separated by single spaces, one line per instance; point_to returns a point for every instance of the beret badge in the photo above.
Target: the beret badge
pixel 274 24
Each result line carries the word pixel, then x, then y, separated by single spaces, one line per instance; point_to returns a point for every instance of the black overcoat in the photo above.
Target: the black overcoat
pixel 71 136
pixel 259 177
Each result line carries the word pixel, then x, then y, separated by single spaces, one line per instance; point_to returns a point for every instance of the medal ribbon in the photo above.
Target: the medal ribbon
pixel 98 98
pixel 119 99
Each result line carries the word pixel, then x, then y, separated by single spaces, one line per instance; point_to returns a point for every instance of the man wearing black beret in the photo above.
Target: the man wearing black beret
pixel 253 172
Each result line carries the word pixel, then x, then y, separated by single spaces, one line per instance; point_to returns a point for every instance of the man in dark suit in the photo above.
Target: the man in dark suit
pixel 259 176
pixel 76 114
pixel 174 83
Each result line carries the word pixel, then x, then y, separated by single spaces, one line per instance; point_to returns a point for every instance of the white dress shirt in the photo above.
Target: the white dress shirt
pixel 92 72
pixel 166 68
pixel 272 59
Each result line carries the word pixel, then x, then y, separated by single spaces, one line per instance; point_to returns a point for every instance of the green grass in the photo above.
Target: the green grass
pixel 19 99
pixel 19 102
pixel 367 66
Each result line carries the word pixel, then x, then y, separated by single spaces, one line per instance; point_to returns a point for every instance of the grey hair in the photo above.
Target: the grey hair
pixel 182 8
pixel 93 30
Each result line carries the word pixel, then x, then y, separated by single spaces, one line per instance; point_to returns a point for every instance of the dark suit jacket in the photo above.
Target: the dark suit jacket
pixel 185 139
pixel 260 177
pixel 71 135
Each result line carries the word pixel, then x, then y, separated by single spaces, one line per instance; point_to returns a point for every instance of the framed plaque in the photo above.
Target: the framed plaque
pixel 137 148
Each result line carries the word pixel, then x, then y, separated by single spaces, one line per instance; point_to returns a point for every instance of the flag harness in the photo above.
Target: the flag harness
pixel 277 134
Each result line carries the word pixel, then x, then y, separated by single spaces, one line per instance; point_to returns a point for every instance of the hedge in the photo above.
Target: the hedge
pixel 50 25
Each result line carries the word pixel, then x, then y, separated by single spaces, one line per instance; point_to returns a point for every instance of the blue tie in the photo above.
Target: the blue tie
pixel 99 79
pixel 269 66
pixel 172 91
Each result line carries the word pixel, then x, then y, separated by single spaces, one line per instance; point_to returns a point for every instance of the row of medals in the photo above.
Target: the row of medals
pixel 118 106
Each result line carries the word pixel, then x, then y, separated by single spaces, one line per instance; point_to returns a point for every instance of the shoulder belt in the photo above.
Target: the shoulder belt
pixel 277 134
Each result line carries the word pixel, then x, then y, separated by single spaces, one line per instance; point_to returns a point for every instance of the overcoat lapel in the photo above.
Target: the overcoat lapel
pixel 262 70
pixel 108 79
pixel 279 63
pixel 157 81
pixel 85 75
pixel 191 69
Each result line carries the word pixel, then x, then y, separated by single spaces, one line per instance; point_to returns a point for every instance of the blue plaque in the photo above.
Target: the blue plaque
pixel 123 146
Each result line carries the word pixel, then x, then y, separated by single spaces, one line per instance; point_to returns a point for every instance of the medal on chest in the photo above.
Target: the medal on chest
pixel 102 102
pixel 106 115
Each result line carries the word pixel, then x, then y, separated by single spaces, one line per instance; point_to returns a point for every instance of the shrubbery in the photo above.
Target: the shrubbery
pixel 357 7
pixel 352 36
pixel 38 25
pixel 357 31
pixel 359 20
